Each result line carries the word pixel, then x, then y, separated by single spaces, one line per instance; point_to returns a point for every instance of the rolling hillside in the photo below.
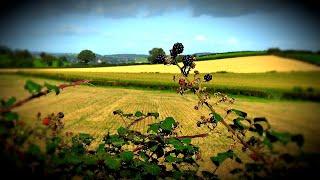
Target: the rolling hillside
pixel 252 64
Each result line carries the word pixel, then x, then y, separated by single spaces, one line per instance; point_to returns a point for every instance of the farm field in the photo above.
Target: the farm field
pixel 272 85
pixel 89 109
pixel 249 64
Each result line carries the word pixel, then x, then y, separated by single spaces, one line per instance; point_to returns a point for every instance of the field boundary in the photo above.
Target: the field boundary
pixel 266 93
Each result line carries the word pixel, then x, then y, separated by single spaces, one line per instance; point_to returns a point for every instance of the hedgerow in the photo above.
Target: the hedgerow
pixel 161 152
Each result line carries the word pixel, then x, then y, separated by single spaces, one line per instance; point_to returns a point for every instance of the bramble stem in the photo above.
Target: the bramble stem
pixel 242 141
pixel 41 93
pixel 137 120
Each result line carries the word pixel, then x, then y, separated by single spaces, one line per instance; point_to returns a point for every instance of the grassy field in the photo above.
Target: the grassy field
pixel 231 55
pixel 251 64
pixel 268 85
pixel 89 109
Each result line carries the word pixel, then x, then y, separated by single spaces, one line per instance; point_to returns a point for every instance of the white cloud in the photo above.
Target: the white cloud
pixel 200 38
pixel 232 41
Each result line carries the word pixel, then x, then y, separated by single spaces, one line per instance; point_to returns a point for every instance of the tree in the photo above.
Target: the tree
pixel 5 50
pixel 48 59
pixel 153 53
pixel 86 56
pixel 274 50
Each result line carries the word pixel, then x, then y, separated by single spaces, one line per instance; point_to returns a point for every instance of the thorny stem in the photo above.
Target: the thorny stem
pixel 137 120
pixel 41 93
pixel 210 107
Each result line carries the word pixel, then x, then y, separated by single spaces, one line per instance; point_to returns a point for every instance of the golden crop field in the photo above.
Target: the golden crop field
pixel 89 109
pixel 250 64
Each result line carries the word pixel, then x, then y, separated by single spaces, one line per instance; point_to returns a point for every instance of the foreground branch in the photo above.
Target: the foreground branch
pixel 41 93
pixel 136 121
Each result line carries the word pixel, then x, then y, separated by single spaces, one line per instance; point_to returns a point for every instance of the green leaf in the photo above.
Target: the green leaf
pixel 170 159
pixel 175 142
pixel 283 137
pixel 298 139
pixel 89 159
pixel 52 145
pixel 72 159
pixel 32 87
pixel 259 129
pixel 217 160
pixel 143 155
pixel 115 140
pixel 11 116
pixel 168 124
pixel 217 117
pixel 126 156
pixel 51 87
pixel 112 163
pixel 238 160
pixel 122 131
pixel 10 102
pixel 186 140
pixel 86 138
pixel 34 149
pixel 118 111
pixel 154 127
pixel 238 124
pixel 267 142
pixel 238 112
pixel 138 114
pixel 260 119
pixel 154 114
pixel 152 169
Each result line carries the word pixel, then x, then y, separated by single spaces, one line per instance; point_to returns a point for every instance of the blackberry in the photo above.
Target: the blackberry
pixel 208 77
pixel 160 58
pixel 60 115
pixel 173 53
pixel 177 48
pixel 187 60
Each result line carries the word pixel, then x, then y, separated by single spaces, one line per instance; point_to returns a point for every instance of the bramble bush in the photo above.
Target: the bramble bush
pixel 162 152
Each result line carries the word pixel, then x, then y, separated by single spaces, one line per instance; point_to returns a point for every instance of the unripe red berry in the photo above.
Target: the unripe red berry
pixel 46 121
pixel 182 82
pixel 254 157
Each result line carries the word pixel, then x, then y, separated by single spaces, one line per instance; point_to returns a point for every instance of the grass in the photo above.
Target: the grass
pixel 273 85
pixel 252 64
pixel 89 109
pixel 231 55
pixel 306 57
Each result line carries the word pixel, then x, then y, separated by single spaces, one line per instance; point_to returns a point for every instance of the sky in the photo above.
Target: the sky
pixel 135 27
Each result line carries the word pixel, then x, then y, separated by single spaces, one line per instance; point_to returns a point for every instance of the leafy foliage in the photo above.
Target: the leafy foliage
pixel 159 153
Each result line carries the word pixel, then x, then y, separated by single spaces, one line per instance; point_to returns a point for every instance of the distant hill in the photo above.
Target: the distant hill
pixel 108 59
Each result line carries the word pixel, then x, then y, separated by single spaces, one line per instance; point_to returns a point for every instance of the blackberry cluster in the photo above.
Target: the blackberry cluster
pixel 187 60
pixel 176 49
pixel 160 58
pixel 208 77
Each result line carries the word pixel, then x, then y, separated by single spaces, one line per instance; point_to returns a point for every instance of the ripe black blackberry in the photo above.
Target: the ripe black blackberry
pixel 187 60
pixel 160 58
pixel 173 53
pixel 60 115
pixel 208 77
pixel 177 48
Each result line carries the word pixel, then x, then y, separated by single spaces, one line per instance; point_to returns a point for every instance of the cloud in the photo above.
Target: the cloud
pixel 148 8
pixel 200 38
pixel 76 30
